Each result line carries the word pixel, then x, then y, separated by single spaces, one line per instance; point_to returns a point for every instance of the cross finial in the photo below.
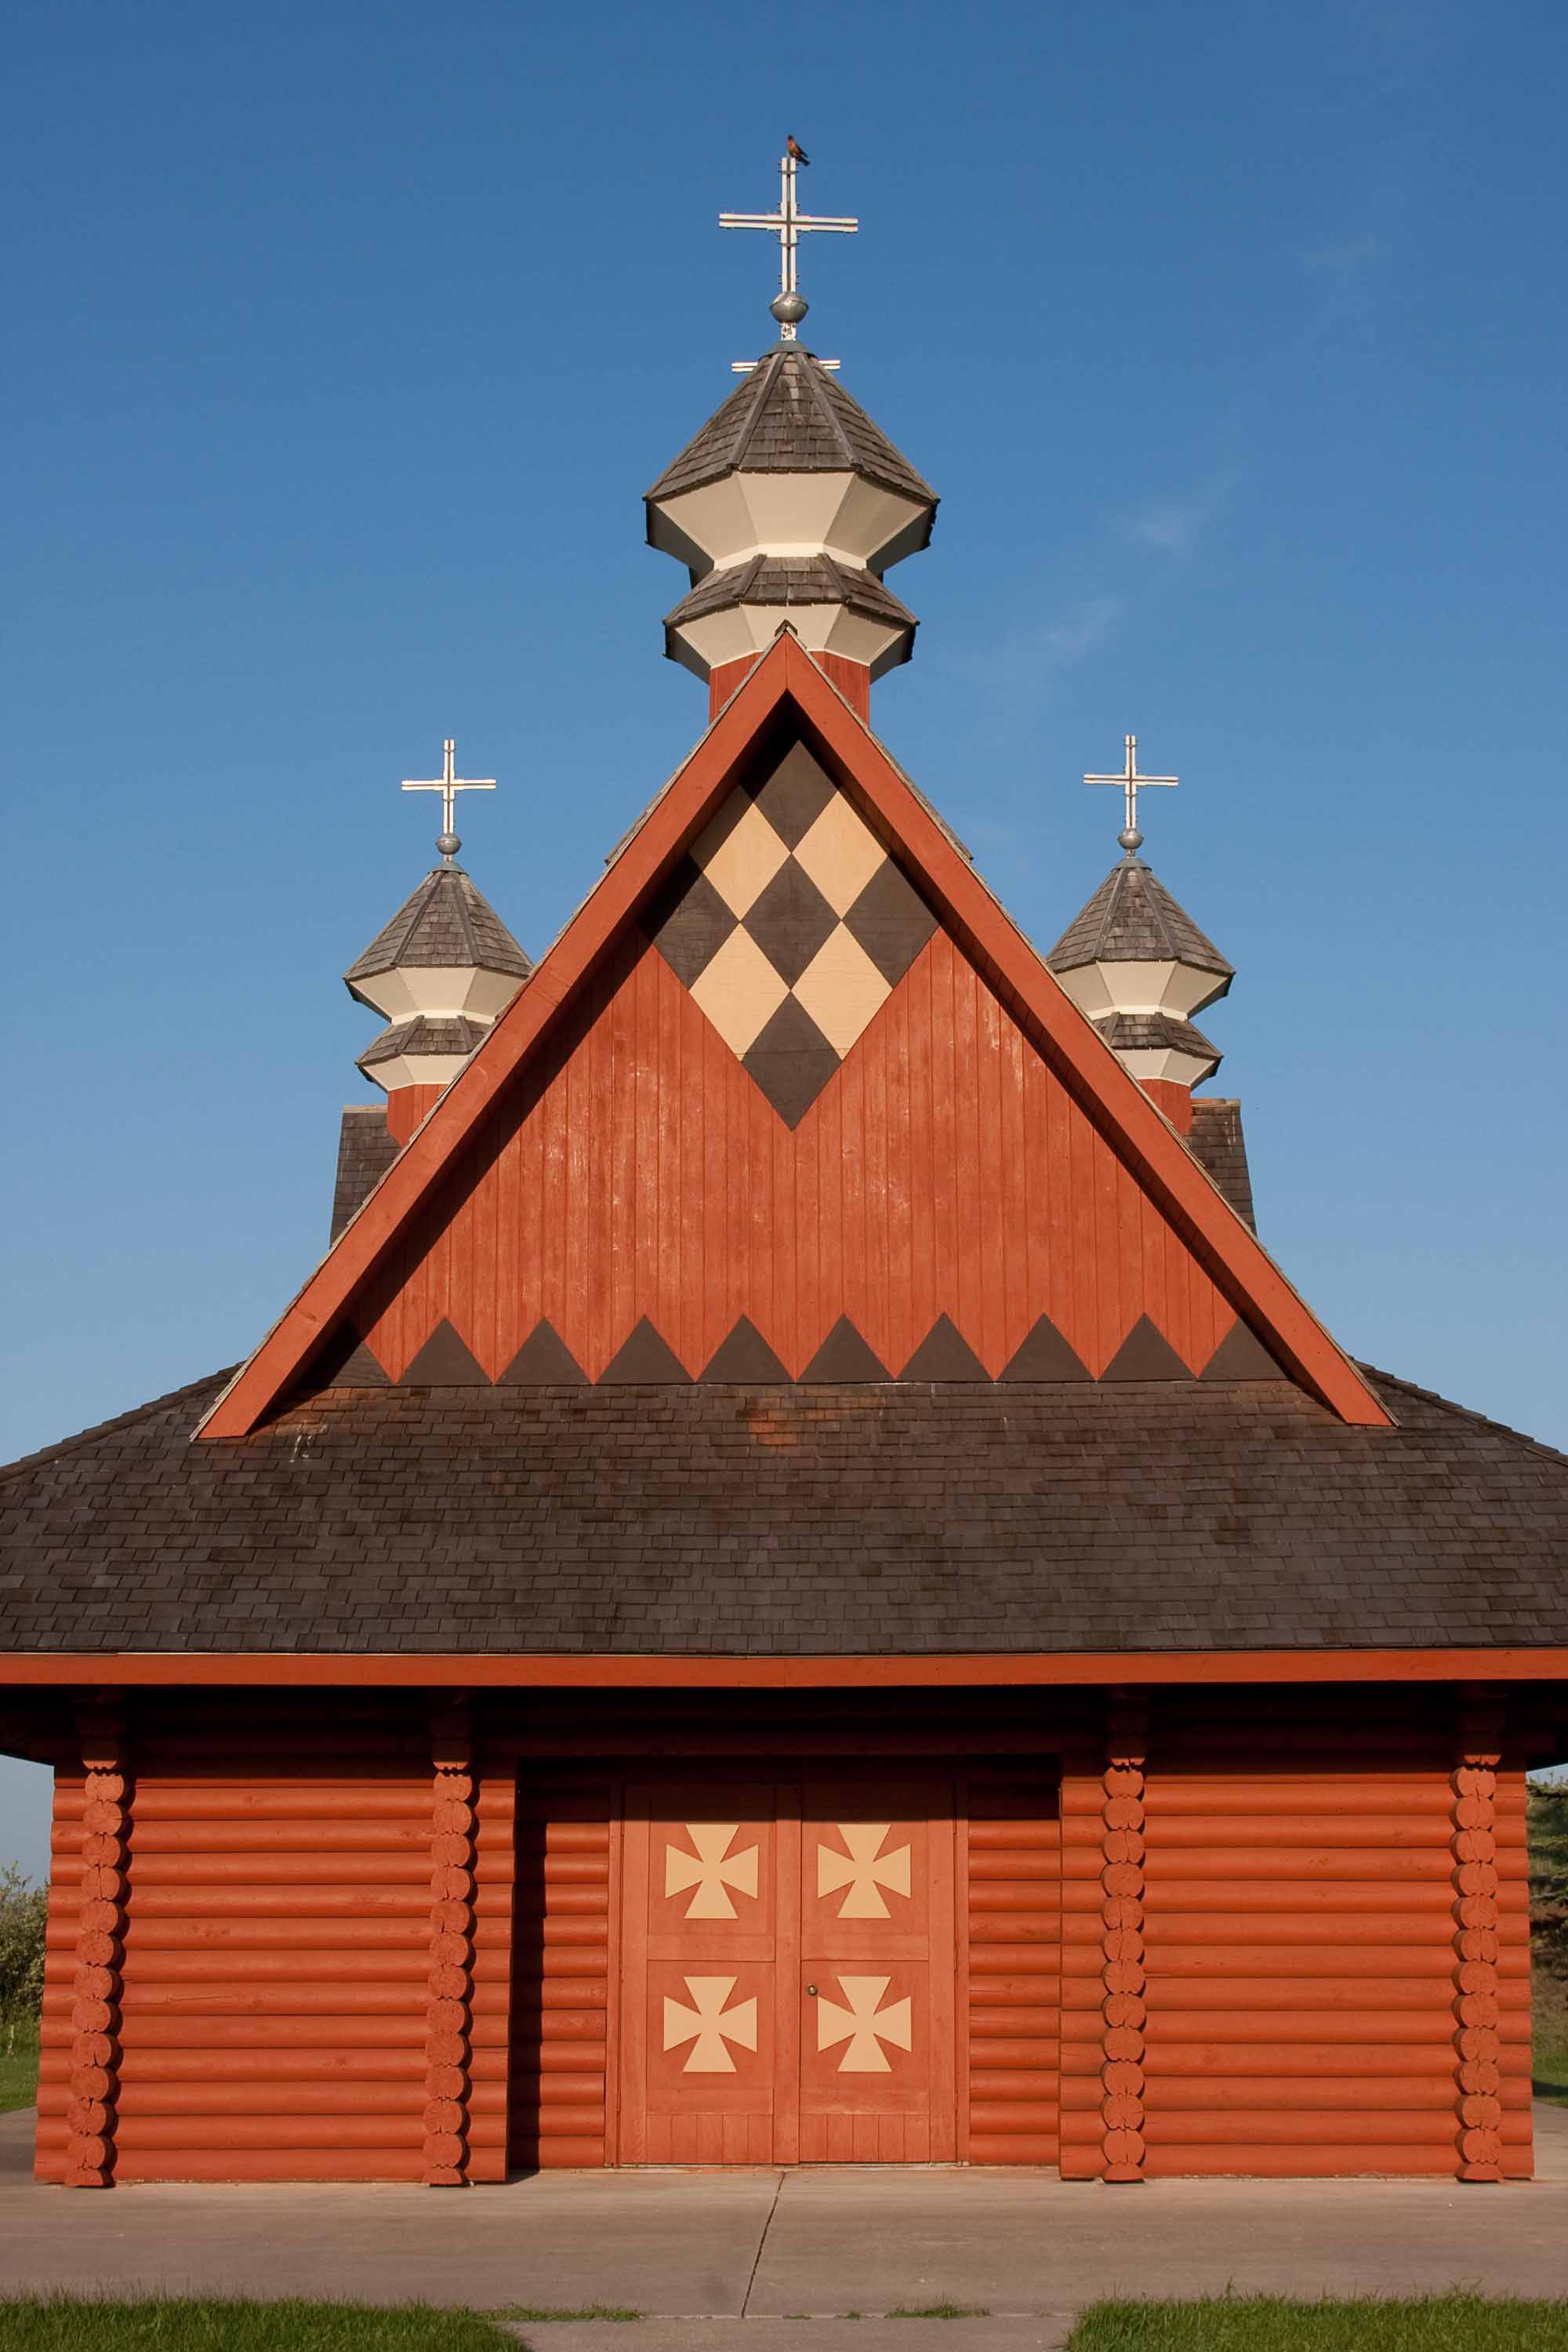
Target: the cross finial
pixel 448 783
pixel 1131 784
pixel 789 224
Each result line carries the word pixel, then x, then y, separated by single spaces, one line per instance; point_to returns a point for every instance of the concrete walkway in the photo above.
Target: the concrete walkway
pixel 770 2249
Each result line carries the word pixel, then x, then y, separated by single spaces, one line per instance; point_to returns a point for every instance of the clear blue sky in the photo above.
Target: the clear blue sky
pixel 346 340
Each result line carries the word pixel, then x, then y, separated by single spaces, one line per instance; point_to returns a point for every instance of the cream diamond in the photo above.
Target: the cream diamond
pixel 841 989
pixel 740 856
pixel 840 854
pixel 740 991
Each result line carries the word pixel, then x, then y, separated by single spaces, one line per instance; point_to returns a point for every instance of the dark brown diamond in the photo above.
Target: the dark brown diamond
pixel 790 920
pixel 688 922
pixel 794 795
pixel 792 1061
pixel 891 921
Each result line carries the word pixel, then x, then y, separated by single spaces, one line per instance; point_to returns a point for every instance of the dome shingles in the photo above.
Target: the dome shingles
pixel 789 416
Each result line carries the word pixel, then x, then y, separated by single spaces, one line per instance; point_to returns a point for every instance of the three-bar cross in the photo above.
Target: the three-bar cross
pixel 1132 783
pixel 448 783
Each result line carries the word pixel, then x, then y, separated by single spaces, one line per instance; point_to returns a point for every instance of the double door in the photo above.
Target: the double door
pixel 787 1972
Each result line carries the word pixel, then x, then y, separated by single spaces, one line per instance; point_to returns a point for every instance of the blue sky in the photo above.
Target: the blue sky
pixel 349 339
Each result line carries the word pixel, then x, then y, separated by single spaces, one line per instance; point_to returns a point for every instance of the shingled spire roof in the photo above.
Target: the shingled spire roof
pixel 1132 918
pixel 789 416
pixel 447 924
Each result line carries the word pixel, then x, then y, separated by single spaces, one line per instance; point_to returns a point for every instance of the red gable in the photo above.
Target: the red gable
pixel 841 1122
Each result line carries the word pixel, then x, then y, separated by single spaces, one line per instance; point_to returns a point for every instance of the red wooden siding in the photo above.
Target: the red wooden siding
pixel 1013 1840
pixel 561 1968
pixel 638 1171
pixel 490 2006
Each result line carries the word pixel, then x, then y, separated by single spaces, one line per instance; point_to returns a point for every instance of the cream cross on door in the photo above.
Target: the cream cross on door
pixel 864 2026
pixel 711 1870
pixel 711 2024
pixel 863 1870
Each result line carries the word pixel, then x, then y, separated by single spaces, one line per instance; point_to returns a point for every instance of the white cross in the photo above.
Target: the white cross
pixel 861 1871
pixel 708 1871
pixel 789 224
pixel 448 783
pixel 1131 784
pixel 865 2025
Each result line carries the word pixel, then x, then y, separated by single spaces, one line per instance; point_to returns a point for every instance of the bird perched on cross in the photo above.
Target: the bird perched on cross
pixel 796 150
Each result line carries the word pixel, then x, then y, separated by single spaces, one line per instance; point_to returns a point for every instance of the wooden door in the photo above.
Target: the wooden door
pixel 787 1965
pixel 877 1968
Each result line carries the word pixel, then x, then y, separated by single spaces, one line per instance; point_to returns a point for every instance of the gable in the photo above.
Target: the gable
pixel 790 1074
pixel 662 1168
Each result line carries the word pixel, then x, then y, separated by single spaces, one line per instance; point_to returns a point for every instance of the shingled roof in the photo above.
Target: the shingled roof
pixel 790 417
pixel 914 1520
pixel 447 923
pixel 1132 918
pixel 791 580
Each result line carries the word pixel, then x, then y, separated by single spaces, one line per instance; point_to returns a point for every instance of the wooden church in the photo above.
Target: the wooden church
pixel 797 1586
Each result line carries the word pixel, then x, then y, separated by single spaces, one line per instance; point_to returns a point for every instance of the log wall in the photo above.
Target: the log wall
pixel 562 2069
pixel 1011 1966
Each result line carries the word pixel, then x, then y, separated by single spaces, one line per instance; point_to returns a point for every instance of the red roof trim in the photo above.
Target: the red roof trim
pixel 146 1669
pixel 1230 1254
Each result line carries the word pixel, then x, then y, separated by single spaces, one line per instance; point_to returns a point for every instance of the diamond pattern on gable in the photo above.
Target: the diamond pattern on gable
pixel 790 924
pixel 792 1061
pixel 444 1362
pixel 740 991
pixel 841 853
pixel 790 920
pixel 689 923
pixel 796 796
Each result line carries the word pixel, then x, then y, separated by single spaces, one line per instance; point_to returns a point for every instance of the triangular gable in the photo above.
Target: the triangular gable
pixel 786 694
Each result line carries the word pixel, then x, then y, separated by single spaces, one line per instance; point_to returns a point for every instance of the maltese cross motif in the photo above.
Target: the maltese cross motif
pixel 711 1870
pixel 864 1870
pixel 865 2025
pixel 710 2027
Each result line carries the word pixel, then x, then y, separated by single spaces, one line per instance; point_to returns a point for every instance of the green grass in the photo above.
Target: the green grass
pixel 18 2067
pixel 545 2311
pixel 942 2311
pixel 59 2323
pixel 1448 2322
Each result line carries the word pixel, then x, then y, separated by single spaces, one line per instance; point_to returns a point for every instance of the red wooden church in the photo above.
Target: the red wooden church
pixel 797 1586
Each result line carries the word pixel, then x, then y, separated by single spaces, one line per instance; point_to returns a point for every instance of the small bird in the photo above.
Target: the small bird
pixel 796 150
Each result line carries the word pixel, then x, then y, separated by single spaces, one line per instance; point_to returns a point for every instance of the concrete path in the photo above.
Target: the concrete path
pixel 771 2250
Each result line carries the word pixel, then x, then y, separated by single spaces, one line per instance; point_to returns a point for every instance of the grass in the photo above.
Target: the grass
pixel 18 2067
pixel 1265 2323
pixel 544 2311
pixel 942 2311
pixel 59 2323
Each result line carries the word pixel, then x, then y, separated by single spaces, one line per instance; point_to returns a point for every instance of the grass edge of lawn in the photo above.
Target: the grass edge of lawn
pixel 59 2322
pixel 1458 2321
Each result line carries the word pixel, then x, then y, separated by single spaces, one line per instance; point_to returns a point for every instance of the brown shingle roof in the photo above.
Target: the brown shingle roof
pixel 1132 918
pixel 1217 1143
pixel 445 923
pixel 912 1519
pixel 366 1149
pixel 789 416
pixel 791 580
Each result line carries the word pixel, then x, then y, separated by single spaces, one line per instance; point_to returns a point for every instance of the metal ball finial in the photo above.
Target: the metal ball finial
pixel 447 843
pixel 789 309
pixel 1130 840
